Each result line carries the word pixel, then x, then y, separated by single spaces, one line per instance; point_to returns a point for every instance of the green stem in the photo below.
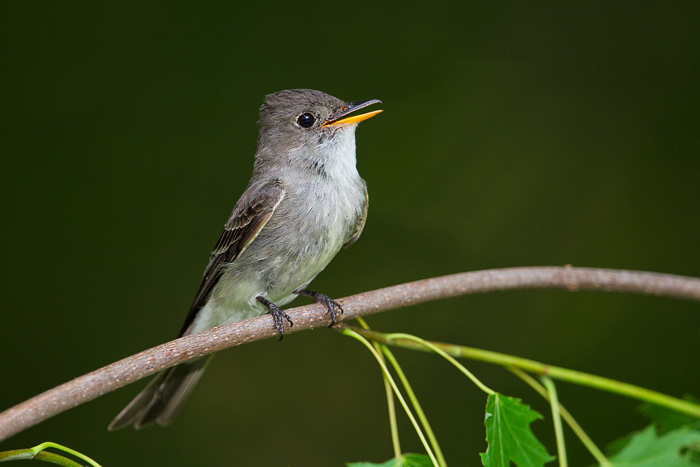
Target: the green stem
pixel 563 374
pixel 38 453
pixel 568 418
pixel 28 454
pixel 385 370
pixel 393 425
pixel 411 395
pixel 556 418
pixel 416 405
pixel 442 353
pixel 392 408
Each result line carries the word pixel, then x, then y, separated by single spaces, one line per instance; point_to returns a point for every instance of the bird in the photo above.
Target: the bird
pixel 305 201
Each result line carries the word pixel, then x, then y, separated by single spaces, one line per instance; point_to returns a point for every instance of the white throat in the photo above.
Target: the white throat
pixel 338 155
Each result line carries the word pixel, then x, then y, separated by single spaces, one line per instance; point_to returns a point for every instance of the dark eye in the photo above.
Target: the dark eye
pixel 306 120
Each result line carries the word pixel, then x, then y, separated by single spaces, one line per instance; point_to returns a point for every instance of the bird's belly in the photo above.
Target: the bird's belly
pixel 290 251
pixel 295 263
pixel 296 270
pixel 272 269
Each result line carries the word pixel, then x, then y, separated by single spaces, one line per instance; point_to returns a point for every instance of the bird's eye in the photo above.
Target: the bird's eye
pixel 306 120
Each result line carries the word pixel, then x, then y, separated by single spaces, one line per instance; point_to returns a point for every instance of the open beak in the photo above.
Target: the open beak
pixel 344 117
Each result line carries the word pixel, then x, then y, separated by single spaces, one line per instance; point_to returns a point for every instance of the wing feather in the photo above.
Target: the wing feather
pixel 248 218
pixel 360 224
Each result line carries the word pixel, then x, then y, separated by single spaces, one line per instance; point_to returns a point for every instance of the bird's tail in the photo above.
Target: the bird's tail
pixel 161 400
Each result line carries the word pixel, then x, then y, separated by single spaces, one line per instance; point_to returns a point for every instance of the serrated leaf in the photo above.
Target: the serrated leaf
pixel 409 460
pixel 666 419
pixel 619 444
pixel 509 436
pixel 647 449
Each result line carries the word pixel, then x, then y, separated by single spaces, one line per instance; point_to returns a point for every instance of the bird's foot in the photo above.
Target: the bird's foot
pixel 278 315
pixel 331 305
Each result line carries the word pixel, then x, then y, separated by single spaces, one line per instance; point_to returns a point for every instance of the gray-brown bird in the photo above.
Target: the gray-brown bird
pixel 304 202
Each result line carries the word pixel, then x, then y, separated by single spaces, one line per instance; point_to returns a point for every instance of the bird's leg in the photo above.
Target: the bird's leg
pixel 331 305
pixel 278 315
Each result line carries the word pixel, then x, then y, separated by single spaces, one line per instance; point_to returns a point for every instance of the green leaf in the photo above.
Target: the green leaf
pixel 647 449
pixel 667 419
pixel 409 460
pixel 509 436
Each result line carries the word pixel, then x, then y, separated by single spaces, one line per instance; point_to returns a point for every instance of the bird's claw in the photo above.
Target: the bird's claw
pixel 331 305
pixel 278 315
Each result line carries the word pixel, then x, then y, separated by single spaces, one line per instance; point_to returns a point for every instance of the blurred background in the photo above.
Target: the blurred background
pixel 512 135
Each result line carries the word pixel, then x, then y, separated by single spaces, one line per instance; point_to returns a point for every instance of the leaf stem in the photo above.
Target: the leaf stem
pixel 393 425
pixel 391 337
pixel 416 406
pixel 411 395
pixel 391 407
pixel 563 374
pixel 352 333
pixel 566 415
pixel 38 452
pixel 556 418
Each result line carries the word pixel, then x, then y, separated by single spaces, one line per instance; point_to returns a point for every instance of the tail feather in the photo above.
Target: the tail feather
pixel 161 400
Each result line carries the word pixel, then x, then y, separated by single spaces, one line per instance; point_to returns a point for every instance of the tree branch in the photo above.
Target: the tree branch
pixel 148 362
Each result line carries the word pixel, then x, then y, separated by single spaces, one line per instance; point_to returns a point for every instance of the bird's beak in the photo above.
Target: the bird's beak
pixel 343 117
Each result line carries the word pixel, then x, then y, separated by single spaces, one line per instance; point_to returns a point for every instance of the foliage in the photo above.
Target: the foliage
pixel 648 449
pixel 666 419
pixel 673 440
pixel 509 436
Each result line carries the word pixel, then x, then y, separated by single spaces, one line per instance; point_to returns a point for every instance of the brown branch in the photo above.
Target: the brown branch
pixel 148 362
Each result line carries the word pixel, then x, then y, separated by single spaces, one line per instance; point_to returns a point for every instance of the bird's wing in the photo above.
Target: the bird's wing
pixel 360 224
pixel 250 215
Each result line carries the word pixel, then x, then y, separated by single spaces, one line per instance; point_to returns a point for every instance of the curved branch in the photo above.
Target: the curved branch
pixel 135 367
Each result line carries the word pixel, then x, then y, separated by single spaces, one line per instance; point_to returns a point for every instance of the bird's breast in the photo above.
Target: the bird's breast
pixel 308 228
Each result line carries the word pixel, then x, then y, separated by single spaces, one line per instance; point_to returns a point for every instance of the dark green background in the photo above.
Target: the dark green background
pixel 528 134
